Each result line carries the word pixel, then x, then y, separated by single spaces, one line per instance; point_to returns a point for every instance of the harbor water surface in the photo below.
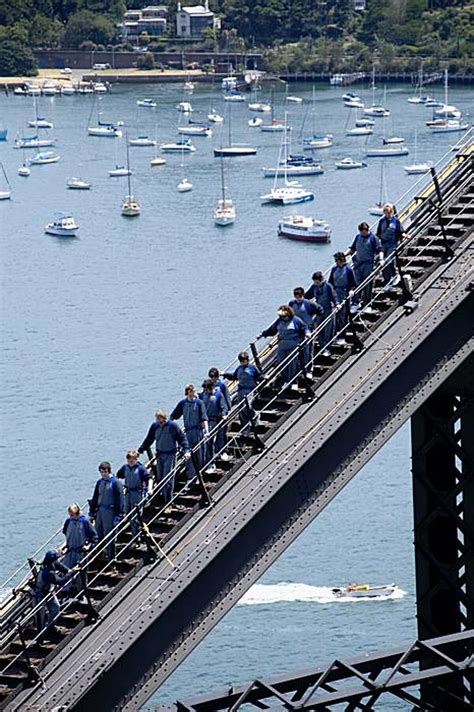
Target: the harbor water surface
pixel 99 330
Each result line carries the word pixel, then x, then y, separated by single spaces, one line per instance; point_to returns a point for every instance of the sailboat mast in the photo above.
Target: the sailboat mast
pixel 129 177
pixel 222 181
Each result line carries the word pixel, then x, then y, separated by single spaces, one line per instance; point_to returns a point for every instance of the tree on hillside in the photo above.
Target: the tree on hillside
pixel 86 25
pixel 15 58
pixel 45 32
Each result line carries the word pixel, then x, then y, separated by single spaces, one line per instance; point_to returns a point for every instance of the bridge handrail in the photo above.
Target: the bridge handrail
pixel 237 409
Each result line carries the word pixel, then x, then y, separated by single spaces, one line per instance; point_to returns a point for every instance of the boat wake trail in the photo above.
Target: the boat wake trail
pixel 286 592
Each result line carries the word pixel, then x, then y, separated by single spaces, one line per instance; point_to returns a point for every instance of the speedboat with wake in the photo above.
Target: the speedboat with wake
pixel 365 590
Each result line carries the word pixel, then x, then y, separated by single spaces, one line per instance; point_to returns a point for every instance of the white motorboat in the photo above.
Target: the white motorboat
pixel 277 126
pixel 234 96
pixel 104 130
pixel 348 96
pixel 24 171
pixel 178 147
pixel 431 103
pixel 364 122
pixel 40 123
pixel 417 168
pixel 63 226
pixel 19 91
pixel 189 86
pixel 185 107
pixel 194 130
pixel 157 161
pixel 365 590
pixel 67 90
pixel 295 169
pixel 295 99
pixel 99 88
pixel 255 121
pixel 33 142
pixel 317 142
pixel 393 140
pixel 349 164
pixel 304 229
pixel 229 83
pixel 44 158
pixel 78 184
pixel 289 194
pixel 50 89
pixel 185 185
pixel 33 89
pixel 215 117
pixel 378 111
pixel 261 107
pixel 141 141
pixel 360 131
pixel 146 103
pixel 387 151
pixel 449 111
pixel 354 103
pixel 119 172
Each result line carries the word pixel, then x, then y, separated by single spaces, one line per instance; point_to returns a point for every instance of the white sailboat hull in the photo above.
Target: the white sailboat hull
pixel 387 152
pixel 232 151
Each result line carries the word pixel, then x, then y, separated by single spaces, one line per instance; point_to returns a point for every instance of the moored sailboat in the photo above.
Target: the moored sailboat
pixel 224 213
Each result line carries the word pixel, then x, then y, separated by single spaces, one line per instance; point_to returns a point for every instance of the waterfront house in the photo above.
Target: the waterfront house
pixel 151 19
pixel 193 20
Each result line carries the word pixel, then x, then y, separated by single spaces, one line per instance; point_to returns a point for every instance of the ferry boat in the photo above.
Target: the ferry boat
pixel 304 229
pixel 63 226
pixel 365 590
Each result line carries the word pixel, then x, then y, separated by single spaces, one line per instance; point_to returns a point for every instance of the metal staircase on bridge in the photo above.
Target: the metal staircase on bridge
pixel 223 531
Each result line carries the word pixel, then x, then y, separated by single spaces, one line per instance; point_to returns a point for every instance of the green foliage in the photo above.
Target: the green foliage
pixel 16 58
pixel 146 61
pixel 45 32
pixel 86 25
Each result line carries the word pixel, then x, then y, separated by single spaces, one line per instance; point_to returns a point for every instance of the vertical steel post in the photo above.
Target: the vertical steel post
pixel 443 498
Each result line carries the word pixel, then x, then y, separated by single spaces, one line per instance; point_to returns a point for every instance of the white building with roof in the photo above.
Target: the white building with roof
pixel 193 20
pixel 150 19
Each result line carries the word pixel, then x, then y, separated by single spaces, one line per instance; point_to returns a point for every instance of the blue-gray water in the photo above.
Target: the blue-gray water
pixel 98 331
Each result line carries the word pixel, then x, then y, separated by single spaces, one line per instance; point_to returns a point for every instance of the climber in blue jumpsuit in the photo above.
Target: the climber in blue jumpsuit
pixel 343 280
pixel 325 295
pixel 136 479
pixel 52 574
pixel 213 374
pixel 167 436
pixel 80 538
pixel 248 376
pixel 390 232
pixel 308 312
pixel 364 249
pixel 106 505
pixel 196 426
pixel 216 409
pixel 291 331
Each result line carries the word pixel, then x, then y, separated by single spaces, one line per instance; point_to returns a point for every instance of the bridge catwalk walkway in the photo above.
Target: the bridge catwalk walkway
pixel 147 609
